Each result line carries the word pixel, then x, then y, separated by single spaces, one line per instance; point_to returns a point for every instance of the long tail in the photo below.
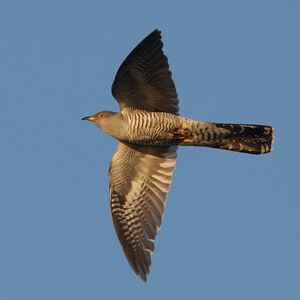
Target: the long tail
pixel 252 139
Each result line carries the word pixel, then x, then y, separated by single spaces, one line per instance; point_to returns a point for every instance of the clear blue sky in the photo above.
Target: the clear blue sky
pixel 232 226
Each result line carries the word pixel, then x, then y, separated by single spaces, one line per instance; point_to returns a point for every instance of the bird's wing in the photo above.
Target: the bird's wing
pixel 139 179
pixel 144 80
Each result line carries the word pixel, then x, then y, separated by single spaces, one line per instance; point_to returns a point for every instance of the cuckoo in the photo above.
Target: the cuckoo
pixel 149 130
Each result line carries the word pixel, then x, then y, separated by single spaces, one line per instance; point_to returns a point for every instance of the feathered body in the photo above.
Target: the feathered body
pixel 145 128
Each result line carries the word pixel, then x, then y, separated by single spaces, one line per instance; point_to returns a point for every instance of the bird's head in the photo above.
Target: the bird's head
pixel 100 117
pixel 103 120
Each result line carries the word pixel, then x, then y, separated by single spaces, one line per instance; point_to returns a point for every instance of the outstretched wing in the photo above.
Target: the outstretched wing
pixel 144 80
pixel 139 179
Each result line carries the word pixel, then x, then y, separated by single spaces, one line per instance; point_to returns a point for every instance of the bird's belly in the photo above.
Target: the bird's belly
pixel 149 137
pixel 153 130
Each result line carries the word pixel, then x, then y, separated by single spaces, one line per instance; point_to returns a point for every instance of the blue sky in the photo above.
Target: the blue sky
pixel 231 228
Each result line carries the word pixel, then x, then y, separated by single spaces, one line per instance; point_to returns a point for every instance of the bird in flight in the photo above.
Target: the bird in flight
pixel 149 130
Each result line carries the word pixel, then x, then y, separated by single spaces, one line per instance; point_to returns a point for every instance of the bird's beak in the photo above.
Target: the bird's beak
pixel 92 118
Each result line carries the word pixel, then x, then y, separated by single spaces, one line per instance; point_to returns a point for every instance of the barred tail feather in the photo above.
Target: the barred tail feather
pixel 252 139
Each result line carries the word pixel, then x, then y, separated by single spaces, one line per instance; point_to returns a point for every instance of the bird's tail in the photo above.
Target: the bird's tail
pixel 252 139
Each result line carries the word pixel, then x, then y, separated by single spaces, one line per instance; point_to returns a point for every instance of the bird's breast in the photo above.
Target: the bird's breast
pixel 151 128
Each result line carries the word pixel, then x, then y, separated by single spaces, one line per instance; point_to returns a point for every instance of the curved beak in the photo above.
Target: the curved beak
pixel 92 118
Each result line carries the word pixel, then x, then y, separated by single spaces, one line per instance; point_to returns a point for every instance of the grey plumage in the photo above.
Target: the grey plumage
pixel 149 129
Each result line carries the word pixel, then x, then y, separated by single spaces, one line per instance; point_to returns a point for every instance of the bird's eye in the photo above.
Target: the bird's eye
pixel 101 115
